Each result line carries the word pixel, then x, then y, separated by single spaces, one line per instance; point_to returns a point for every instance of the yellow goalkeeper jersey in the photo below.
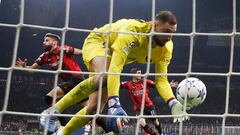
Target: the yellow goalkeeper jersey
pixel 134 48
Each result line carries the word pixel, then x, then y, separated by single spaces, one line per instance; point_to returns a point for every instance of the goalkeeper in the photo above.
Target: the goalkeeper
pixel 122 49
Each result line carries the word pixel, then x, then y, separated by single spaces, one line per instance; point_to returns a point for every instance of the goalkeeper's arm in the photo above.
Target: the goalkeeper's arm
pixel 166 93
pixel 116 66
pixel 162 83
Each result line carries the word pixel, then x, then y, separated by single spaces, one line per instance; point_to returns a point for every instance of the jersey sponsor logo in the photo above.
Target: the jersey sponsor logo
pixel 137 92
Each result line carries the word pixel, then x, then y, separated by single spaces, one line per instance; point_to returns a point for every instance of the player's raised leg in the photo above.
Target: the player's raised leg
pixel 78 122
pixel 77 94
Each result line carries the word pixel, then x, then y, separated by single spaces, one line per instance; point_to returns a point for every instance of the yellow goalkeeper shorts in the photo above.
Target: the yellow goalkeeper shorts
pixel 94 48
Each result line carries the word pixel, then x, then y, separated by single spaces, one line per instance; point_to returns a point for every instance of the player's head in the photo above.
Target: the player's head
pixel 165 22
pixel 136 71
pixel 50 40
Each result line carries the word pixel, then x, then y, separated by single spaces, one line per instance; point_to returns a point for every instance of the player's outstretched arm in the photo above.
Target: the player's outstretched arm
pixel 77 51
pixel 162 83
pixel 23 64
pixel 116 66
pixel 113 82
pixel 121 48
pixel 166 93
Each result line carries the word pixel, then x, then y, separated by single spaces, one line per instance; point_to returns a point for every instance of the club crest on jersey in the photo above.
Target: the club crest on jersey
pixel 131 45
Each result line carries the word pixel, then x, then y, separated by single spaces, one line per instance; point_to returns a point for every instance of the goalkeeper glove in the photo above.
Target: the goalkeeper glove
pixel 115 124
pixel 114 107
pixel 177 109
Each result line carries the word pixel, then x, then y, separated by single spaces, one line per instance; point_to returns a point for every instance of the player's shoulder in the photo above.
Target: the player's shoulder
pixel 42 58
pixel 168 46
pixel 44 54
pixel 130 21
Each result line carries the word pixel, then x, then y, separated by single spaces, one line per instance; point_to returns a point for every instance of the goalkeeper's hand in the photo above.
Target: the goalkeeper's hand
pixel 177 109
pixel 114 108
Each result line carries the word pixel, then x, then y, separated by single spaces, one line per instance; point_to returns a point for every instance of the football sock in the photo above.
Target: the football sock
pixel 78 93
pixel 159 129
pixel 76 122
pixel 147 129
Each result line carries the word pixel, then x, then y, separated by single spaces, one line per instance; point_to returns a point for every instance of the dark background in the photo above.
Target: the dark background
pixel 211 54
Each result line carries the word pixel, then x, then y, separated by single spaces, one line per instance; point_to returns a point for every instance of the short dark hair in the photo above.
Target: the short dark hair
pixel 166 17
pixel 54 36
pixel 134 70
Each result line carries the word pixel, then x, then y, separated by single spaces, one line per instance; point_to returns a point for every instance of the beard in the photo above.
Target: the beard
pixel 47 48
pixel 160 42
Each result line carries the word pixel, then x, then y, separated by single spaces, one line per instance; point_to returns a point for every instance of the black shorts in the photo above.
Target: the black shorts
pixel 70 84
pixel 150 110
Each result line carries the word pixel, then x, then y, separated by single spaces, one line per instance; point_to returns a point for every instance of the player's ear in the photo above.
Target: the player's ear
pixel 55 42
pixel 157 24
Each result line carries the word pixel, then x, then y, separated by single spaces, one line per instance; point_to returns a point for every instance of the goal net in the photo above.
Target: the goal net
pixel 206 46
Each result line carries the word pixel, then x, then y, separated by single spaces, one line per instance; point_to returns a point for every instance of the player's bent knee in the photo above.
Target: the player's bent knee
pixel 97 78
pixel 92 108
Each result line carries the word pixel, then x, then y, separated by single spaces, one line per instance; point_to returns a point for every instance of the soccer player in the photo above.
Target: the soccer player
pixel 135 90
pixel 51 57
pixel 118 50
